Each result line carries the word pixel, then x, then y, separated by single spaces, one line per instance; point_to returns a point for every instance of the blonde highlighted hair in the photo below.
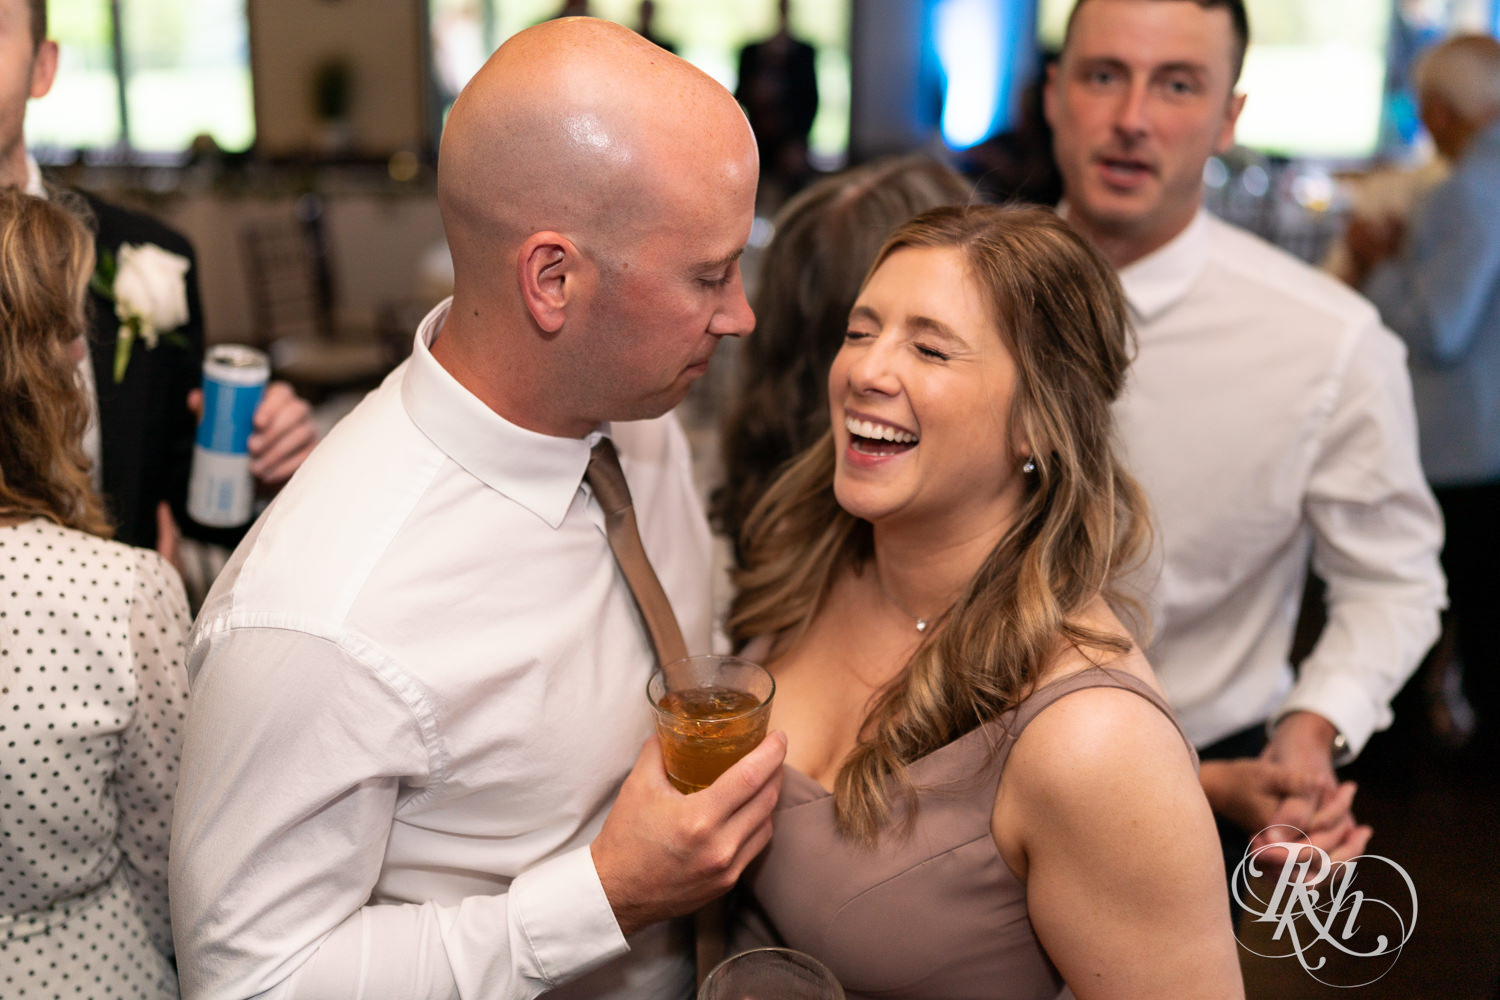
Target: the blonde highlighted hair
pixel 1081 524
pixel 46 256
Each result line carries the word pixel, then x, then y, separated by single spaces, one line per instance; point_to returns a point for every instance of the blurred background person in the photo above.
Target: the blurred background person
pixel 778 87
pixel 94 683
pixel 646 26
pixel 573 8
pixel 143 395
pixel 1437 284
pixel 976 744
pixel 825 240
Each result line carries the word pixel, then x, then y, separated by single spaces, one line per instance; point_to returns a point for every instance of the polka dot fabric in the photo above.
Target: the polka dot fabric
pixel 92 696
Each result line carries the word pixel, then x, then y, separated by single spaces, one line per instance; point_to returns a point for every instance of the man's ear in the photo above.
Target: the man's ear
pixel 43 68
pixel 1231 116
pixel 1049 96
pixel 549 271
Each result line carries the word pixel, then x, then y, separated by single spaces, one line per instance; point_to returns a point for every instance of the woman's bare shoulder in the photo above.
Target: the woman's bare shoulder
pixel 1073 658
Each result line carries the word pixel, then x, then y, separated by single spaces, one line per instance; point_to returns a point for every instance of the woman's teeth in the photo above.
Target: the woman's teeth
pixel 878 432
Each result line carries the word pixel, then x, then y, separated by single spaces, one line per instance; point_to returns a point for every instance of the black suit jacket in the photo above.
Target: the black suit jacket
pixel 145 427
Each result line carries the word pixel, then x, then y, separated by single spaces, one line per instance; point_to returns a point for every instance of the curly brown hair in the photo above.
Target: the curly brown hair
pixel 46 255
pixel 1080 528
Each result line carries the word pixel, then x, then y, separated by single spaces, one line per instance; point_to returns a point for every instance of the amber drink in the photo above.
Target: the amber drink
pixel 710 712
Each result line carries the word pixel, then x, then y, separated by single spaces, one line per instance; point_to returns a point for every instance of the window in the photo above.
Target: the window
pixel 709 35
pixel 185 72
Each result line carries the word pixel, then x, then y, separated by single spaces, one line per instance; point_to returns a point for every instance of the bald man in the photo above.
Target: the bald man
pixel 419 684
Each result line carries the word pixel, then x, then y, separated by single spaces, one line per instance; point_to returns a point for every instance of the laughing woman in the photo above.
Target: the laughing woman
pixel 986 794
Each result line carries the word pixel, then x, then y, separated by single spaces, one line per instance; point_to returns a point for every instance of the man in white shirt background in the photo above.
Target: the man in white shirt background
pixel 420 681
pixel 1268 416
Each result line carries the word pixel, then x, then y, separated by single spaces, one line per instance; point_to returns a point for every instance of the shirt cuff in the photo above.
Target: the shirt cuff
pixel 1342 701
pixel 566 919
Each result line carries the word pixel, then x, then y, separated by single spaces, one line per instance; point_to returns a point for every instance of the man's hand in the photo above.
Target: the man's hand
pixel 1303 743
pixel 284 434
pixel 1248 791
pixel 663 854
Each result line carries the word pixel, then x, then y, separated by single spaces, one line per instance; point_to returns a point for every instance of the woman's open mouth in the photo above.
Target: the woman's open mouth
pixel 880 440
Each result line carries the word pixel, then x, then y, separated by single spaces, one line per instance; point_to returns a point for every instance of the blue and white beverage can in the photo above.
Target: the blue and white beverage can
pixel 221 491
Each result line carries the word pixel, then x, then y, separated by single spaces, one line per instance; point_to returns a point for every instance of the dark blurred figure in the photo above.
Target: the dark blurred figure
pixel 646 26
pixel 825 241
pixel 778 86
pixel 1018 165
pixel 1438 286
pixel 573 8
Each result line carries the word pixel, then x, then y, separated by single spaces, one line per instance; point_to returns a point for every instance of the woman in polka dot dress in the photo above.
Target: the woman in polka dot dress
pixel 92 686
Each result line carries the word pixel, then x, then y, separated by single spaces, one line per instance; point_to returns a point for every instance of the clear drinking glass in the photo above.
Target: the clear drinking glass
pixel 770 974
pixel 710 711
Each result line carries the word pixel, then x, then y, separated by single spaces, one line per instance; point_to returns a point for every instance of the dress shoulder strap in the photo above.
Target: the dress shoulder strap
pixel 1015 723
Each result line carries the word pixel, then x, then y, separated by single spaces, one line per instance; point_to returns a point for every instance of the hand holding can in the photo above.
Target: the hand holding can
pixel 221 491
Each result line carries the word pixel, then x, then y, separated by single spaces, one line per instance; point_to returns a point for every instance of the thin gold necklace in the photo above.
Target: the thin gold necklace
pixel 922 623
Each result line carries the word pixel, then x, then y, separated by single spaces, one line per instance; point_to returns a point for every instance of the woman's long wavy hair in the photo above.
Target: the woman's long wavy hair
pixel 1081 524
pixel 825 239
pixel 46 255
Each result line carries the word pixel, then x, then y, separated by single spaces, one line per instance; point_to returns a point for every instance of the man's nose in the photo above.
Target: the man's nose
pixel 734 318
pixel 1132 114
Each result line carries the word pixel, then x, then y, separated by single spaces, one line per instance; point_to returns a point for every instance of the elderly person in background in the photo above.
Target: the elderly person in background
pixel 1437 284
pixel 94 686
pixel 825 240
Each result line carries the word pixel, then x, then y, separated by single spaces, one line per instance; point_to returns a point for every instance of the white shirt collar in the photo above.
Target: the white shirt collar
pixel 540 472
pixel 34 185
pixel 1160 279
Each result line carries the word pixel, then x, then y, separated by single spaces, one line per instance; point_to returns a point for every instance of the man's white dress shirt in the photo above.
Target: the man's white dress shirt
pixel 1268 413
pixel 416 689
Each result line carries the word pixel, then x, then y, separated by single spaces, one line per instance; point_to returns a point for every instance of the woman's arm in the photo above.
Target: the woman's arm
pixel 1102 816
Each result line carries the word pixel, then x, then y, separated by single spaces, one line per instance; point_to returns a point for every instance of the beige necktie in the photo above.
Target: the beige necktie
pixel 608 483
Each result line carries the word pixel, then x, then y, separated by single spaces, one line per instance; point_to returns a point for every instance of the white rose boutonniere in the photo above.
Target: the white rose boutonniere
pixel 148 286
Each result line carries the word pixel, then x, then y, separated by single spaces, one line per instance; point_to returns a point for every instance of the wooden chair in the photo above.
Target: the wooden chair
pixel 292 296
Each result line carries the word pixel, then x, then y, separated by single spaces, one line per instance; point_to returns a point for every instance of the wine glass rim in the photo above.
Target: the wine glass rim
pixel 800 957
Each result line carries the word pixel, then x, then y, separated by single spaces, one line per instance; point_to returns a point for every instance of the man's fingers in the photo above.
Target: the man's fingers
pixel 1292 818
pixel 751 825
pixel 1335 807
pixel 749 775
pixel 284 434
pixel 277 397
pixel 1354 844
pixel 283 455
